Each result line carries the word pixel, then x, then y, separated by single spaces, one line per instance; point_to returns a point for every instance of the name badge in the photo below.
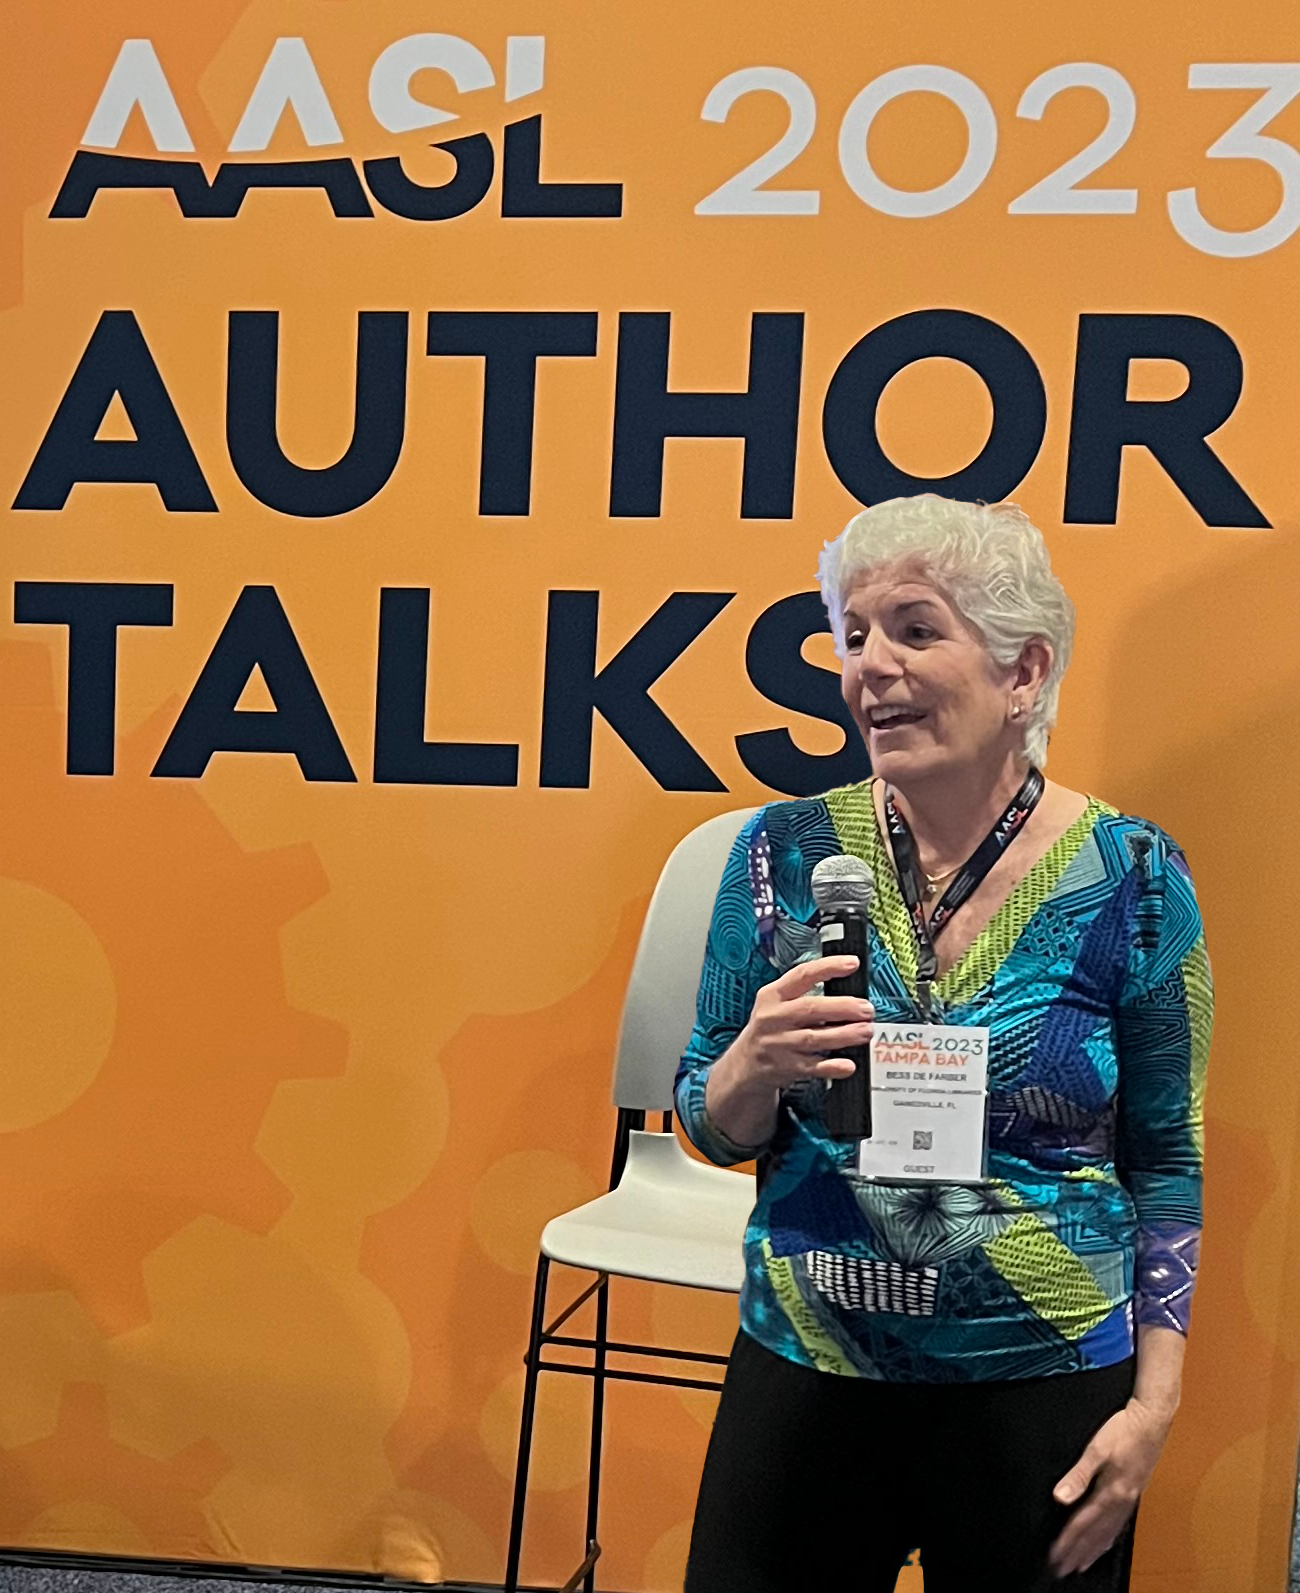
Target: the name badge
pixel 929 1091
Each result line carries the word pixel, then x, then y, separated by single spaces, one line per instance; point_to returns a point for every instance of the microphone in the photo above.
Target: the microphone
pixel 843 887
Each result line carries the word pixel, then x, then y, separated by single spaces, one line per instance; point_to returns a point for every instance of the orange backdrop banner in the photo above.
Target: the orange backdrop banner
pixel 417 447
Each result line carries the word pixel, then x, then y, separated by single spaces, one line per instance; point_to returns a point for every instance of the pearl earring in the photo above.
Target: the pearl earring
pixel 1016 711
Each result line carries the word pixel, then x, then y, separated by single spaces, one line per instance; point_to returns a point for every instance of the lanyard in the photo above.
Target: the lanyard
pixel 971 874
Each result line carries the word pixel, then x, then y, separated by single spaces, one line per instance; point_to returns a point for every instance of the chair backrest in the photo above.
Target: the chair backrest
pixel 659 1009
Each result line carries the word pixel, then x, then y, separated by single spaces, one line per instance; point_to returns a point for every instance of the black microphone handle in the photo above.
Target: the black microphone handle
pixel 847 1108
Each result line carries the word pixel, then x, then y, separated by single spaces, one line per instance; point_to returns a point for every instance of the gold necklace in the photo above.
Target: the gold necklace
pixel 933 881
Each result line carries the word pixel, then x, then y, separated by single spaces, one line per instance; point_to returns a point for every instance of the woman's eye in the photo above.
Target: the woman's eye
pixel 920 633
pixel 853 642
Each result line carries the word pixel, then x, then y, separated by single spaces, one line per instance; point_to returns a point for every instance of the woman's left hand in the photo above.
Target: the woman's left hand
pixel 1106 1483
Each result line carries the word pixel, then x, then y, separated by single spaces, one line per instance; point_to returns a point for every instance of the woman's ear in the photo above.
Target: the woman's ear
pixel 1034 665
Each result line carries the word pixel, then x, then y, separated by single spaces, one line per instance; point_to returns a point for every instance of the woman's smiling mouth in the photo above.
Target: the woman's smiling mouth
pixel 890 717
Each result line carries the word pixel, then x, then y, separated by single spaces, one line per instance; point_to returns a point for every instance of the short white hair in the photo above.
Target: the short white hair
pixel 992 562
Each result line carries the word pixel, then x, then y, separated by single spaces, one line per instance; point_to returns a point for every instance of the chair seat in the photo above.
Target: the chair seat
pixel 670 1220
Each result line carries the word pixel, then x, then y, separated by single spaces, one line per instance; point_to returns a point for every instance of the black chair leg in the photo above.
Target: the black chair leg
pixel 526 1425
pixel 597 1425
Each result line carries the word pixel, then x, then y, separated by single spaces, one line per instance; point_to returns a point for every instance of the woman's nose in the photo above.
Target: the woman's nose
pixel 877 659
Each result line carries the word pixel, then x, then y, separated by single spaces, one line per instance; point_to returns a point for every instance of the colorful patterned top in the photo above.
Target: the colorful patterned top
pixel 1094 983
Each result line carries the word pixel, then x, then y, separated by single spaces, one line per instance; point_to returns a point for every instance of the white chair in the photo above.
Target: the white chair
pixel 666 1218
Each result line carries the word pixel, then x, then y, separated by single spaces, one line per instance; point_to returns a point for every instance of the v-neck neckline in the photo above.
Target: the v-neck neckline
pixel 998 937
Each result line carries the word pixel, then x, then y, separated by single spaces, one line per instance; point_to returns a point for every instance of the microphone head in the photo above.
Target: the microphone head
pixel 843 882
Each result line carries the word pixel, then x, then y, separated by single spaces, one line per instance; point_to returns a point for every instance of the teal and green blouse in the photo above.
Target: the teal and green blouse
pixel 1094 983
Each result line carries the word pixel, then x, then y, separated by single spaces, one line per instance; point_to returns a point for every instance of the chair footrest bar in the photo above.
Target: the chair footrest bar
pixel 637 1349
pixel 625 1377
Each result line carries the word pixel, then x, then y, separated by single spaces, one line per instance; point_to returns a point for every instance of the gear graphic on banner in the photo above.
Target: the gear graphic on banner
pixel 81 1474
pixel 143 999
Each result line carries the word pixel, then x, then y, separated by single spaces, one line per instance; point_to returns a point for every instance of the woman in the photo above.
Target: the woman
pixel 988 1368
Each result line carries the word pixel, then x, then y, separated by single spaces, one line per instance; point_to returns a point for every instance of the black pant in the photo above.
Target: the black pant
pixel 815 1481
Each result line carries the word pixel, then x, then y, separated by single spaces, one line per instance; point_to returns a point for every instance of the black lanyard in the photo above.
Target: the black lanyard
pixel 911 880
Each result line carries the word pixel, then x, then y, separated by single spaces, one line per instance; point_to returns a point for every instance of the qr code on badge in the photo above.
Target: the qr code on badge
pixel 922 1139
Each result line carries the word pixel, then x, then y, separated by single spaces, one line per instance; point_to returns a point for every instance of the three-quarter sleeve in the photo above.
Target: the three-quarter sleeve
pixel 1163 1032
pixel 735 969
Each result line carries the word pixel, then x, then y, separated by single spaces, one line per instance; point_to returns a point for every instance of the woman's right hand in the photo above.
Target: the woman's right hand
pixel 793 1034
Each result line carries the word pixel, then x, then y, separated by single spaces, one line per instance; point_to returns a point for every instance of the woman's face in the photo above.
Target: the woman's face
pixel 919 682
